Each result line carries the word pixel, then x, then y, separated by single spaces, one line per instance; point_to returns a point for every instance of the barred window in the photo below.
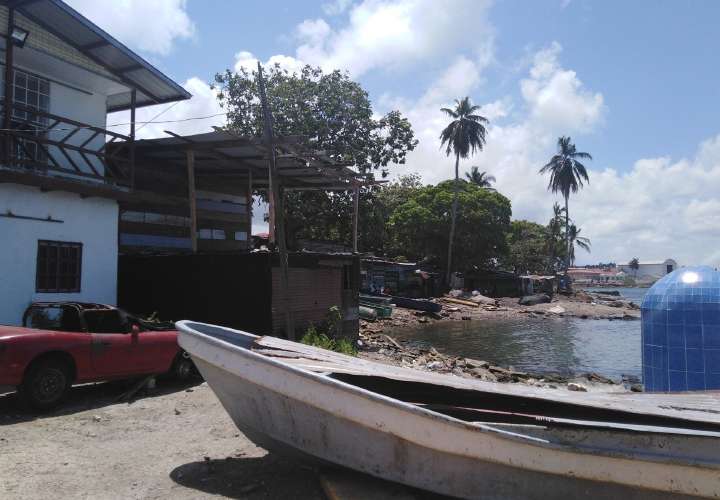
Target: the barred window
pixel 59 266
pixel 34 93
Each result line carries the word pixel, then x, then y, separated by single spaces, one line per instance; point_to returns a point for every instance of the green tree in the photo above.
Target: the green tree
pixel 481 179
pixel 634 265
pixel 483 223
pixel 463 136
pixel 580 241
pixel 554 238
pixel 326 216
pixel 329 111
pixel 526 243
pixel 567 174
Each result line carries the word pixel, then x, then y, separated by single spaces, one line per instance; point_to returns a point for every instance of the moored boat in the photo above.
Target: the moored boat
pixel 455 436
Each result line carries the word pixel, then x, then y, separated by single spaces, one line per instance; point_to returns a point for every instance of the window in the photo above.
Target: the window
pixel 58 266
pixel 32 92
pixel 55 317
pixel 211 234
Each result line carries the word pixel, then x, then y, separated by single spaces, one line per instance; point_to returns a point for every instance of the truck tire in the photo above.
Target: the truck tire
pixel 46 384
pixel 183 369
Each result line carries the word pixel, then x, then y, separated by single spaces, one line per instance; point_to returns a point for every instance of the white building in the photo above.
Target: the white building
pixel 648 271
pixel 59 185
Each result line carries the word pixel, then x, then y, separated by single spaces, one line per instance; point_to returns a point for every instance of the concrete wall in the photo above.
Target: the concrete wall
pixel 649 270
pixel 90 221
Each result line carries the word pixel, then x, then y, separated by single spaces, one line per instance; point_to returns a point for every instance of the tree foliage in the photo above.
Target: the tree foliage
pixel 567 175
pixel 329 110
pixel 463 136
pixel 480 179
pixel 419 225
pixel 527 245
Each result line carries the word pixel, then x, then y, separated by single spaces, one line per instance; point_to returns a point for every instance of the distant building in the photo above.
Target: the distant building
pixel 650 270
pixel 596 275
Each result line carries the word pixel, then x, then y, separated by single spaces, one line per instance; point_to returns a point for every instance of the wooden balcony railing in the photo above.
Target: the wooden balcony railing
pixel 46 143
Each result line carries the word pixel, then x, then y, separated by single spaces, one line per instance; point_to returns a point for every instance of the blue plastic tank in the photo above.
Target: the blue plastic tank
pixel 681 331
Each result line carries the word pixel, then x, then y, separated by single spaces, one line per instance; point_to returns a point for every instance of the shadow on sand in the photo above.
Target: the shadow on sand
pixel 86 397
pixel 271 476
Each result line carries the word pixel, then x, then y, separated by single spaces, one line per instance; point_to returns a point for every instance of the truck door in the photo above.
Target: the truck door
pixel 111 345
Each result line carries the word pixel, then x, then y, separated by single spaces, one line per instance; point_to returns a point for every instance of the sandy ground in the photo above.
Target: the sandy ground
pixel 176 442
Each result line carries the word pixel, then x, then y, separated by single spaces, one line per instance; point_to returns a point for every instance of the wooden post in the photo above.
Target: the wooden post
pixel 276 207
pixel 7 120
pixel 249 209
pixel 356 210
pixel 133 102
pixel 191 198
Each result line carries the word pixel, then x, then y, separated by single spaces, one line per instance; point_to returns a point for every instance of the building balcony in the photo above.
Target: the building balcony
pixel 41 148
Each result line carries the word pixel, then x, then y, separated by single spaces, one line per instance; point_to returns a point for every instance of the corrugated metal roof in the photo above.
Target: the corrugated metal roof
pixel 58 18
pixel 222 152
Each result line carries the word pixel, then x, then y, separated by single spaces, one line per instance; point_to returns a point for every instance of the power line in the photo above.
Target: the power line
pixel 60 129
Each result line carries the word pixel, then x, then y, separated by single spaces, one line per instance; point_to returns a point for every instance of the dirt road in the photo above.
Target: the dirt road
pixel 176 442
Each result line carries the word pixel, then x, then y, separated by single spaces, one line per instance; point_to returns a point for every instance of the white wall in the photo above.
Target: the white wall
pixel 79 106
pixel 90 221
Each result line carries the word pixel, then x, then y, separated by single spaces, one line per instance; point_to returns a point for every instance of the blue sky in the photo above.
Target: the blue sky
pixel 634 83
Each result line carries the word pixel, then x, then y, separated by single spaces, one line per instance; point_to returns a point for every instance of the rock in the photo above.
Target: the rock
pixel 458 372
pixel 594 377
pixel 572 386
pixel 434 365
pixel 531 300
pixel 636 388
pixel 615 293
pixel 96 418
pixel 557 310
pixel 483 374
pixel 474 363
pixel 177 412
pixel 466 318
pixel 481 299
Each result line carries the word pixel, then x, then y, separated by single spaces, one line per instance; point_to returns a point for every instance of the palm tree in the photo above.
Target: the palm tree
pixel 634 265
pixel 464 135
pixel 576 239
pixel 566 175
pixel 555 235
pixel 480 179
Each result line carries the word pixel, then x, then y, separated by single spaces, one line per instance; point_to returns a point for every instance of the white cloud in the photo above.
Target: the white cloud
pixel 336 7
pixel 656 209
pixel 556 97
pixel 151 26
pixel 246 60
pixel 391 35
pixel 204 104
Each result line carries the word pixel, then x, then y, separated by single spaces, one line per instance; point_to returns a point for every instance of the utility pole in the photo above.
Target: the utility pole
pixel 276 201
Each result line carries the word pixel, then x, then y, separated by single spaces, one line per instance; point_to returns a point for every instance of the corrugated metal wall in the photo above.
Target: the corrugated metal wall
pixel 313 292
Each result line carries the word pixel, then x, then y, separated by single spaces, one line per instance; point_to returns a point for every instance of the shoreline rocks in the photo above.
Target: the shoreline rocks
pixel 381 347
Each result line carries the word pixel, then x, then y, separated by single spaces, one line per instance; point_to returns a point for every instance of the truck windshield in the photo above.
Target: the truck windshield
pixel 60 318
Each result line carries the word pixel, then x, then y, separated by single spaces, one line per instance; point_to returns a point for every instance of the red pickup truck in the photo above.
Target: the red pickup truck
pixel 66 343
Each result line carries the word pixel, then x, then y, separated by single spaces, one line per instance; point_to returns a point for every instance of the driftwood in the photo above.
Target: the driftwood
pixel 461 301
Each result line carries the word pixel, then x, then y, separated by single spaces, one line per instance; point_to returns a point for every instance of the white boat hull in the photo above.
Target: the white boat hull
pixel 279 405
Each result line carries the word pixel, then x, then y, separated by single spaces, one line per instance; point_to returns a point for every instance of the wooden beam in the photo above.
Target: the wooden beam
pixel 192 200
pixel 133 105
pixel 7 121
pixel 250 204
pixel 356 207
pixel 277 201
